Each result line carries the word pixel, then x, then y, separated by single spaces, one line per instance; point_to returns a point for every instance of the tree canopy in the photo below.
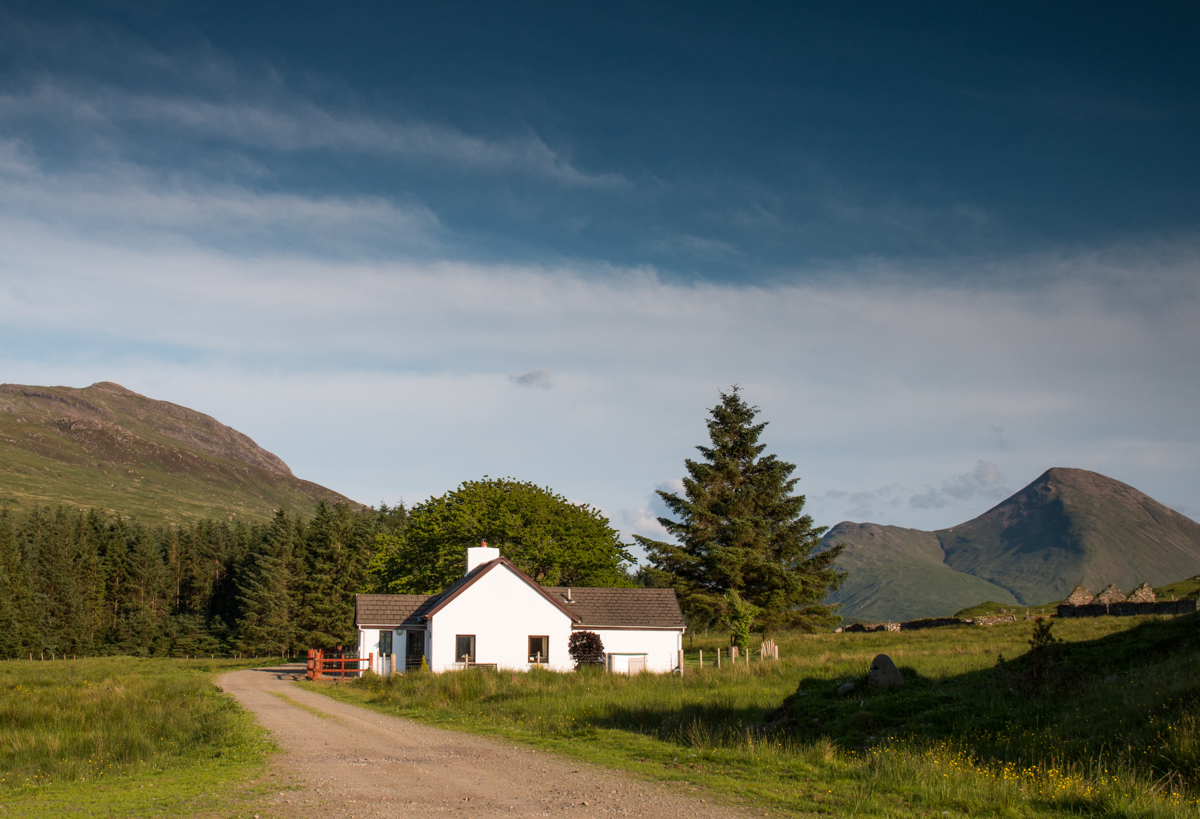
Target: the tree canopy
pixel 75 582
pixel 740 529
pixel 554 541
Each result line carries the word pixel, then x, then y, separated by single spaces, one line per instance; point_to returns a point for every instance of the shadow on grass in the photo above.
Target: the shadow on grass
pixel 1129 698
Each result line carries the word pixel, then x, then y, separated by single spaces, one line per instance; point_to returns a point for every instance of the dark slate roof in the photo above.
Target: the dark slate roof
pixel 622 608
pixel 595 608
pixel 392 609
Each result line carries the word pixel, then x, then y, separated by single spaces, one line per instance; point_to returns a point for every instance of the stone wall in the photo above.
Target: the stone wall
pixel 1128 609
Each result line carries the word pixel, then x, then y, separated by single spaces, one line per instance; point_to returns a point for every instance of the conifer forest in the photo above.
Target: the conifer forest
pixel 85 583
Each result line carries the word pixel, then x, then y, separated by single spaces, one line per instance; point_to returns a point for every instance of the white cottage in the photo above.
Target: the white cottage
pixel 496 615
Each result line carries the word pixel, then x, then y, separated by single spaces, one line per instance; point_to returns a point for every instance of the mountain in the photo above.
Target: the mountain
pixel 1069 526
pixel 109 448
pixel 901 574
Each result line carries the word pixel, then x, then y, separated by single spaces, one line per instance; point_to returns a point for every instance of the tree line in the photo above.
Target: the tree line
pixel 88 583
pixel 743 554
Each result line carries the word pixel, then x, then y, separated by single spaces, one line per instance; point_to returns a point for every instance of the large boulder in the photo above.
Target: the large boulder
pixel 883 673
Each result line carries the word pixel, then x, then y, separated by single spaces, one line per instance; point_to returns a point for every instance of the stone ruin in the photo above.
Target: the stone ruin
pixel 1113 603
pixel 1110 594
pixel 1080 596
pixel 1143 594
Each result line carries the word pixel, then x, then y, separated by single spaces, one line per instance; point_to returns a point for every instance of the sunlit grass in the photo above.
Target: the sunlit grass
pixel 103 735
pixel 1120 741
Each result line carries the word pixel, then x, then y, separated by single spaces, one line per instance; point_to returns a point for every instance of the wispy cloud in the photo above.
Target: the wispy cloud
pixel 985 481
pixel 203 97
pixel 124 201
pixel 537 379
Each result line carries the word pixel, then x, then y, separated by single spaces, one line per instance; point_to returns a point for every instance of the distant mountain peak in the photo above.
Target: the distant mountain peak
pixel 1067 527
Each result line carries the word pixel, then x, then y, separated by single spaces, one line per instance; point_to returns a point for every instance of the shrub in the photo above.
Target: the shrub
pixel 586 648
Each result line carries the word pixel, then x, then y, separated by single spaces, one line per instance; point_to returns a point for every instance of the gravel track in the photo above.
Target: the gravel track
pixel 348 761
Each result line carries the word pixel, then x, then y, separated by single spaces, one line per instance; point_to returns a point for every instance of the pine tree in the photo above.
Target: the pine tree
pixel 741 529
pixel 336 553
pixel 267 605
pixel 16 606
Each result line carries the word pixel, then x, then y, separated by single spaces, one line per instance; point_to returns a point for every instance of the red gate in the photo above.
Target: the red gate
pixel 336 667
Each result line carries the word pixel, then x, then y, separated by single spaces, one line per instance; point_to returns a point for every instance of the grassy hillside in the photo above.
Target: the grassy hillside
pixel 899 574
pixel 108 448
pixel 1068 527
pixel 961 738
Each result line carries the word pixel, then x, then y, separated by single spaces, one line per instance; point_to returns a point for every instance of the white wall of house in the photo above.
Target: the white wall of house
pixel 368 643
pixel 660 647
pixel 502 611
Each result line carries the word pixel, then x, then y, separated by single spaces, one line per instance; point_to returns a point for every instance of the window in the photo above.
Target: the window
pixel 539 649
pixel 385 642
pixel 464 648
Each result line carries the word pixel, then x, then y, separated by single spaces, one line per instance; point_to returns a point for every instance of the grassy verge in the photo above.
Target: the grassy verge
pixel 1112 731
pixel 128 737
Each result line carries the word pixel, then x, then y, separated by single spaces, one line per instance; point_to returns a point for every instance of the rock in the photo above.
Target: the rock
pixel 846 688
pixel 1110 594
pixel 883 673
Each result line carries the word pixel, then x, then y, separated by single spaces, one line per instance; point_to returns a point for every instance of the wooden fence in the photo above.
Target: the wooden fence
pixel 336 667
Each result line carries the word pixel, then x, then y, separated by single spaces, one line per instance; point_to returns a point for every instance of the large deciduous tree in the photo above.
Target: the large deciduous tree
pixel 554 541
pixel 741 529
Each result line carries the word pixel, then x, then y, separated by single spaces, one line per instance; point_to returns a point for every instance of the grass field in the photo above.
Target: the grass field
pixel 1110 731
pixel 125 737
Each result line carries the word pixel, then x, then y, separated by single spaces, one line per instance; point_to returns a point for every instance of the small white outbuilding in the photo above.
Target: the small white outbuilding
pixel 496 615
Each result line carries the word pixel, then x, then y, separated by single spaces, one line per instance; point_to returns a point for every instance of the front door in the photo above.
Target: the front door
pixel 414 650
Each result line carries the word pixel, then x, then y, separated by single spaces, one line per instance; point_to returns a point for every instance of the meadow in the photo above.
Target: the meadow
pixel 1103 724
pixel 125 736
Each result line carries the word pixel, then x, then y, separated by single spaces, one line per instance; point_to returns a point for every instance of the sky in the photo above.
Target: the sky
pixel 405 245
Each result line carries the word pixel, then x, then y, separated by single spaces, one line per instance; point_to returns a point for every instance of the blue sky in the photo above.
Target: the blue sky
pixel 406 245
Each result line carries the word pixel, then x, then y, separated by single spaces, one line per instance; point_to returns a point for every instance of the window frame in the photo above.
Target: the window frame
pixel 471 655
pixel 545 643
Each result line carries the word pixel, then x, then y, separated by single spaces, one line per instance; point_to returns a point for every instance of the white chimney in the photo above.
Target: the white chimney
pixel 478 555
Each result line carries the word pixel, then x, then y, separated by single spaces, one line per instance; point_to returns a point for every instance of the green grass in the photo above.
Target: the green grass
pixel 1181 590
pixel 124 736
pixel 994 609
pixel 1117 737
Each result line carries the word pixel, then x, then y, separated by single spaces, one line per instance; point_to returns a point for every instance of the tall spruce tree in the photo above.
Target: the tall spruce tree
pixel 266 598
pixel 16 600
pixel 741 529
pixel 336 551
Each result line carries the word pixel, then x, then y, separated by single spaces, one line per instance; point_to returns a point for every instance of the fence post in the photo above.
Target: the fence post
pixel 681 662
pixel 702 658
pixel 718 658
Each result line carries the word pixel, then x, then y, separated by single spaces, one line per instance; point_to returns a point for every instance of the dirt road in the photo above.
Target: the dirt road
pixel 356 763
